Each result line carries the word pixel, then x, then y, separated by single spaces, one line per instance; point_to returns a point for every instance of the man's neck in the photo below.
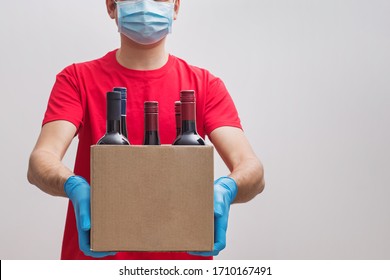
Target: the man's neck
pixel 139 57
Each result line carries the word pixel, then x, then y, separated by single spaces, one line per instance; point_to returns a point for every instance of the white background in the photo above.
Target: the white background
pixel 310 80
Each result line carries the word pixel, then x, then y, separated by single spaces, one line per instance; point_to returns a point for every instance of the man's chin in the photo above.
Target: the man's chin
pixel 126 40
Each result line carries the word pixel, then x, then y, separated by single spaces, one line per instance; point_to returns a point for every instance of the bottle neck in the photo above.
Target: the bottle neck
pixel 113 126
pixel 113 116
pixel 124 126
pixel 151 122
pixel 123 107
pixel 178 124
pixel 151 138
pixel 151 135
pixel 188 117
pixel 188 126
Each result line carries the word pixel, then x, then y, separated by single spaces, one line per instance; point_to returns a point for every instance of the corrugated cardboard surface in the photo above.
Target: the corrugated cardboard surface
pixel 152 198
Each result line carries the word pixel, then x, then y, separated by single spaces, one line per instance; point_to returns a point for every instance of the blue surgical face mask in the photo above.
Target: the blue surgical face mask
pixel 145 21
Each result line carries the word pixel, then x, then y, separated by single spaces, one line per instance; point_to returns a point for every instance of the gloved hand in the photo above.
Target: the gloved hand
pixel 78 191
pixel 225 191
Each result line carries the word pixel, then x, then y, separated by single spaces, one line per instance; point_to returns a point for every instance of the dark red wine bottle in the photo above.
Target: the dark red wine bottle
pixel 123 92
pixel 151 136
pixel 113 134
pixel 178 117
pixel 188 134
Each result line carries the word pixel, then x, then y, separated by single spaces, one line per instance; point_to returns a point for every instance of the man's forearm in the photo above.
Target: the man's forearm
pixel 249 176
pixel 47 172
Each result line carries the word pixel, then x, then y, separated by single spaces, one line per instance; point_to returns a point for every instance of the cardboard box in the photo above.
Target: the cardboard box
pixel 152 198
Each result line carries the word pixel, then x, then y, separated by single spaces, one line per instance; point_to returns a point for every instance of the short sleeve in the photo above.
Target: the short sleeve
pixel 65 102
pixel 219 108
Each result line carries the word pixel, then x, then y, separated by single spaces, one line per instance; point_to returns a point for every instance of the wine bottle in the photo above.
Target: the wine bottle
pixel 178 117
pixel 151 136
pixel 113 134
pixel 123 92
pixel 188 134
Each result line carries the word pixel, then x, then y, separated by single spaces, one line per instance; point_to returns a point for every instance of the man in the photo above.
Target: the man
pixel 77 107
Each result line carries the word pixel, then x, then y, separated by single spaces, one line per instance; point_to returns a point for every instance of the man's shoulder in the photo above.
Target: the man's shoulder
pixel 183 65
pixel 90 65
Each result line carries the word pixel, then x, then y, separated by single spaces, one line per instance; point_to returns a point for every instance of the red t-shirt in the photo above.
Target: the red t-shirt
pixel 79 96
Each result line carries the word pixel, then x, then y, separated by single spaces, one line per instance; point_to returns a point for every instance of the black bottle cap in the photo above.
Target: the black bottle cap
pixel 122 90
pixel 113 95
pixel 113 105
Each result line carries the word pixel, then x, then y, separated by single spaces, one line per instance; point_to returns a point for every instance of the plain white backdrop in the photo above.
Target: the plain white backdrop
pixel 310 80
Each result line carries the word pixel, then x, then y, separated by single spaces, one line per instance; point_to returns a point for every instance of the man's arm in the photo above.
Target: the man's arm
pixel 245 167
pixel 45 169
pixel 245 181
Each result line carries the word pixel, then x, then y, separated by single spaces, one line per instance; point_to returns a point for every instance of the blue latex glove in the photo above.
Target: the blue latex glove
pixel 78 191
pixel 225 191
